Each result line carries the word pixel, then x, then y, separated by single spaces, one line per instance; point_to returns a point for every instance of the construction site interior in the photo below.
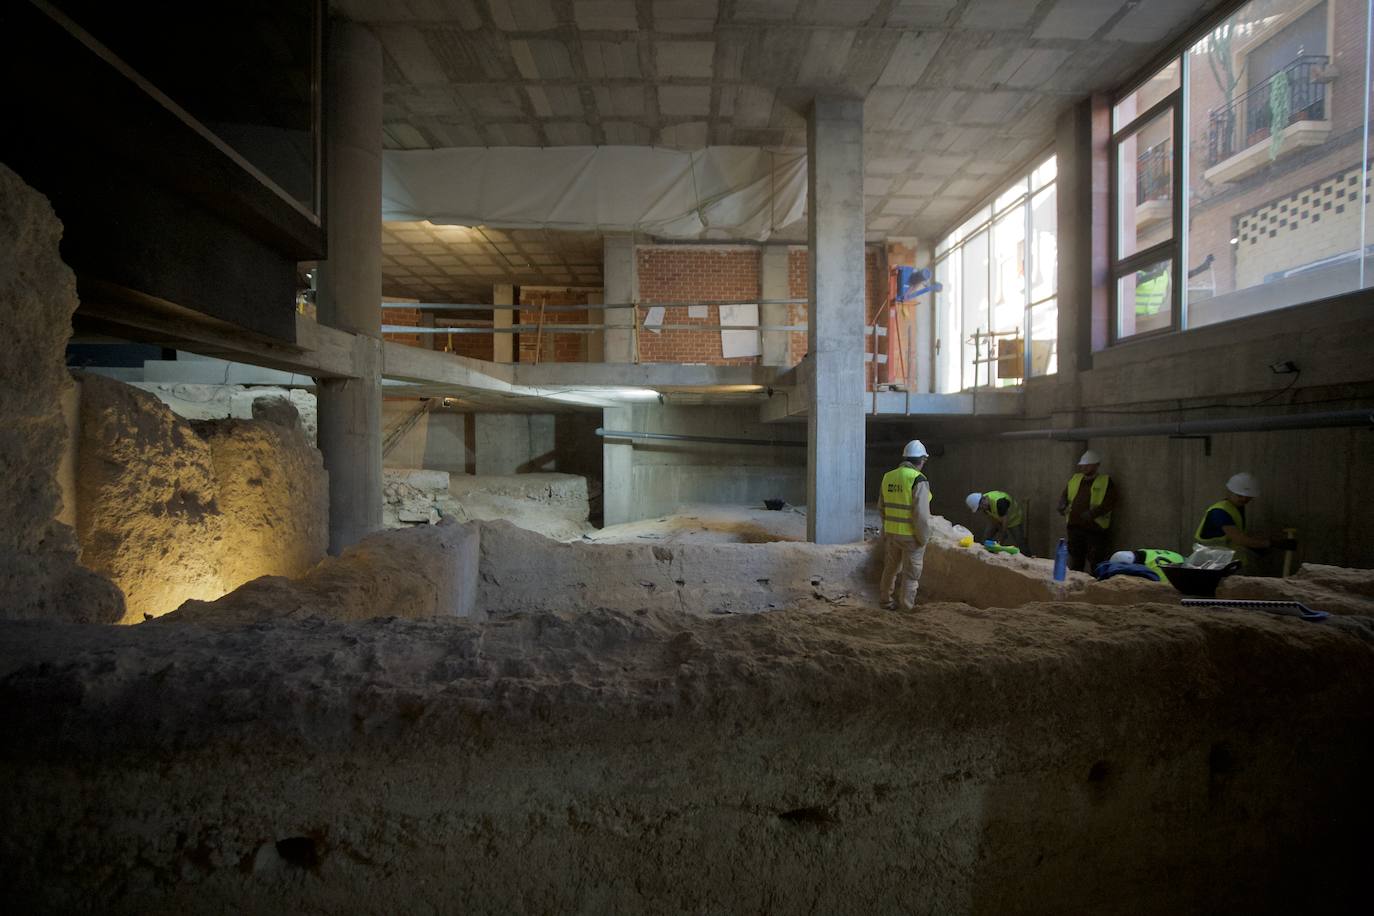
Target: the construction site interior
pixel 450 451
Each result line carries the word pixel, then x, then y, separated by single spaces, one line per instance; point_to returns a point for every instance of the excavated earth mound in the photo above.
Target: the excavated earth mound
pixel 1048 759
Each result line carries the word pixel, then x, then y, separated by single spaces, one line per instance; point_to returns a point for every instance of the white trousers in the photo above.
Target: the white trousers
pixel 902 560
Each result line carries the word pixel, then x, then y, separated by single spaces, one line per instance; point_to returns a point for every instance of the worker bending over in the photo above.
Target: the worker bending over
pixel 1006 517
pixel 905 504
pixel 1223 524
pixel 1087 502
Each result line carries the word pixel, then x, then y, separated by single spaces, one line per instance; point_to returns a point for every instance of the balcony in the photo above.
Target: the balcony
pixel 1154 169
pixel 1240 135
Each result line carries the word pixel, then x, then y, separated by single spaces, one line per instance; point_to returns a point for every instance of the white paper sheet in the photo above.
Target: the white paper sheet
pixel 739 343
pixel 698 311
pixel 653 318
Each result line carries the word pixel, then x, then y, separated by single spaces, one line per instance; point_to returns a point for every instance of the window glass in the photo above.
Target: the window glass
pixel 975 310
pixel 1044 254
pixel 993 277
pixel 1276 170
pixel 1143 303
pixel 1149 93
pixel 1044 338
pixel 1145 188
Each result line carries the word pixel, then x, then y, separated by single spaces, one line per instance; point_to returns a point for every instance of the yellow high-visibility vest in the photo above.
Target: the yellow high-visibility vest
pixel 1095 497
pixel 1237 519
pixel 1015 513
pixel 896 496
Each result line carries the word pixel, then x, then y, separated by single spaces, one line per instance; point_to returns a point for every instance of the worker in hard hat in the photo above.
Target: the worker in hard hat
pixel 905 504
pixel 1087 503
pixel 1223 524
pixel 1005 517
pixel 1152 559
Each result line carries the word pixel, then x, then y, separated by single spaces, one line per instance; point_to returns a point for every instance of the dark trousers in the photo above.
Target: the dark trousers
pixel 1087 548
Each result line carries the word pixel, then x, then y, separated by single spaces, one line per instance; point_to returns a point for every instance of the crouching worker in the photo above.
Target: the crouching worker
pixel 1152 560
pixel 905 505
pixel 1005 520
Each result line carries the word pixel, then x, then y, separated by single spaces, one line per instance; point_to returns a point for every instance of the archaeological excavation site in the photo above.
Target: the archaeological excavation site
pixel 618 457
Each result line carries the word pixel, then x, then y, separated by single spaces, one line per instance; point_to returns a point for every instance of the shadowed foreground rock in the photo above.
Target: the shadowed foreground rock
pixel 1048 759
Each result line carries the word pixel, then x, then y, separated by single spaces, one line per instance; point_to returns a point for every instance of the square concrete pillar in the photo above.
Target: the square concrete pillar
pixel 617 467
pixel 835 388
pixel 773 271
pixel 596 340
pixel 621 286
pixel 503 344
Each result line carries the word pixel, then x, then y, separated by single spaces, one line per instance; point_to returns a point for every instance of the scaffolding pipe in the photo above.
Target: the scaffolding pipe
pixel 1318 420
pixel 476 307
pixel 677 437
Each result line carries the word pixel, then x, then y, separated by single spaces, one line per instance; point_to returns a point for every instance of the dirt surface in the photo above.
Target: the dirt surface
pixel 1048 759
pixel 552 505
pixel 39 575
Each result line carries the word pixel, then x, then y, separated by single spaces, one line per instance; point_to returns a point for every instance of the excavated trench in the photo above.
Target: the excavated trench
pixel 615 728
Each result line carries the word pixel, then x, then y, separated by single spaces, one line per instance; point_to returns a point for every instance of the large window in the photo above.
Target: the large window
pixel 1241 170
pixel 997 316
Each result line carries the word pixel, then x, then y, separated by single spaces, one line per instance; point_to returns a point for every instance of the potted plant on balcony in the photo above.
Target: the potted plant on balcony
pixel 1280 107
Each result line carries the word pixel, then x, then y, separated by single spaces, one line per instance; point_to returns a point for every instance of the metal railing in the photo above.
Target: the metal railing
pixel 1249 118
pixel 1154 171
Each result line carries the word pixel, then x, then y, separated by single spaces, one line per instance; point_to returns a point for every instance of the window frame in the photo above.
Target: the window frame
pixel 1172 248
pixel 964 229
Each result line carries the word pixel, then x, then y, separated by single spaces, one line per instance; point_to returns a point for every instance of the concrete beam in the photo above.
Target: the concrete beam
pixel 835 387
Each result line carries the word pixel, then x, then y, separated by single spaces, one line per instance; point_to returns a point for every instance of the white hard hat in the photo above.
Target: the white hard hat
pixel 1243 484
pixel 1123 556
pixel 914 449
pixel 973 500
pixel 1090 457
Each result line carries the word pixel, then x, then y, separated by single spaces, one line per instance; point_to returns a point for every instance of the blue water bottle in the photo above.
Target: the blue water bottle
pixel 1061 561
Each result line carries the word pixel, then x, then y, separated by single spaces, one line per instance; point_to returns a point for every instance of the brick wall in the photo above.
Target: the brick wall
pixel 555 348
pixel 409 318
pixel 692 274
pixel 475 346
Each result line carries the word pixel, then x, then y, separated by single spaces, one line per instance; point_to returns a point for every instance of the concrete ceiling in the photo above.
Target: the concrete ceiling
pixel 457 264
pixel 958 92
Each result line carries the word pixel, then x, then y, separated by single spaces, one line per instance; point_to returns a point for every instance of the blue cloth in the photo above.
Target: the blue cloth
pixel 1109 569
pixel 1216 520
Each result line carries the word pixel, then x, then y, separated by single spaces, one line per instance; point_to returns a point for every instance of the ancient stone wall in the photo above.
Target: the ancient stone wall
pixel 39 574
pixel 173 511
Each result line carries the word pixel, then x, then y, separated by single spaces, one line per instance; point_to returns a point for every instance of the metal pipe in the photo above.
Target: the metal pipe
pixel 675 437
pixel 477 307
pixel 1317 420
pixel 581 328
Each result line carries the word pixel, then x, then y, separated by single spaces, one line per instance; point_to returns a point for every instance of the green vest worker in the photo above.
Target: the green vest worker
pixel 905 504
pixel 1151 559
pixel 1006 516
pixel 1087 502
pixel 1223 524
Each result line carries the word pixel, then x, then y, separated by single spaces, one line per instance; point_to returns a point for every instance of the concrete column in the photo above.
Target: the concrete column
pixel 503 344
pixel 596 340
pixel 773 270
pixel 835 389
pixel 350 281
pixel 617 468
pixel 621 285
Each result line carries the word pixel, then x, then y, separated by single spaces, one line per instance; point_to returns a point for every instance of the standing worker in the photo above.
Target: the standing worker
pixel 1088 502
pixel 1223 524
pixel 905 503
pixel 1006 517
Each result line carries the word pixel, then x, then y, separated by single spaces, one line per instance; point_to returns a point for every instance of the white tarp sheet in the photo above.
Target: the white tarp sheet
pixel 721 192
